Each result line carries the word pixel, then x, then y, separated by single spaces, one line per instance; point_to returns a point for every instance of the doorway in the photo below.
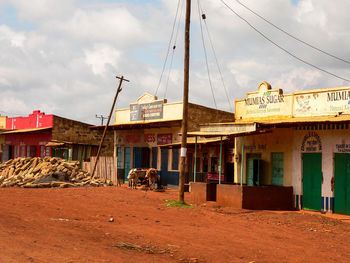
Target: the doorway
pixel 312 181
pixel 254 169
pixel 342 183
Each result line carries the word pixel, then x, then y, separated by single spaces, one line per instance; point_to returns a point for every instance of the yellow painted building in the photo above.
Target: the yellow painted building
pixel 299 140
pixel 2 137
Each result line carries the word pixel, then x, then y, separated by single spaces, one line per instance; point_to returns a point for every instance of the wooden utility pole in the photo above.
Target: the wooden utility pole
pixel 185 104
pixel 109 118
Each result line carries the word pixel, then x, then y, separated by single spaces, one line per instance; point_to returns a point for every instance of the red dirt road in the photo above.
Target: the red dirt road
pixel 72 225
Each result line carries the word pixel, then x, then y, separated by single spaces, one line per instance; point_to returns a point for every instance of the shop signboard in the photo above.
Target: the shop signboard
pixel 322 103
pixel 146 111
pixel 215 177
pixel 164 139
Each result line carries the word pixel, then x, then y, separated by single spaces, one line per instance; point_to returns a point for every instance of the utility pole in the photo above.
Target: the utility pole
pixel 109 118
pixel 185 104
pixel 102 118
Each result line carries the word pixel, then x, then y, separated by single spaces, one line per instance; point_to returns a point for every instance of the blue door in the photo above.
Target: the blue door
pixel 126 162
pixel 164 167
pixel 137 157
pixel 154 157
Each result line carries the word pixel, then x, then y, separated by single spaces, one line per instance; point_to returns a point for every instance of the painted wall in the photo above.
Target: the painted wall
pixel 333 139
pixel 35 120
pixel 3 122
pixel 279 140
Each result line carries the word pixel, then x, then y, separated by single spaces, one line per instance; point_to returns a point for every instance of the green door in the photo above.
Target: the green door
pixel 342 183
pixel 312 181
pixel 277 168
pixel 254 172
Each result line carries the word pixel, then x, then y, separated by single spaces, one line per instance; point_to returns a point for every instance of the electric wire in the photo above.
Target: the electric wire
pixel 216 59
pixel 205 55
pixel 292 36
pixel 167 54
pixel 174 47
pixel 280 47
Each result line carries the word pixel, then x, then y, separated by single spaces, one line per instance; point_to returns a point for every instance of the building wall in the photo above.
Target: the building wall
pixel 3 122
pixel 78 132
pixel 334 139
pixel 199 115
pixel 279 140
pixel 35 120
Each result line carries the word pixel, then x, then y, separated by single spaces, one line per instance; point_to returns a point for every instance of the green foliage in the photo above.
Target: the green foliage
pixel 173 203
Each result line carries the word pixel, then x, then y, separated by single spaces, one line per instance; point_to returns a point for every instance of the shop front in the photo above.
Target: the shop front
pixel 147 134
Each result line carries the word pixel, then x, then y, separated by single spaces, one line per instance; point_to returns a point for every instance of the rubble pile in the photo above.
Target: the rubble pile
pixel 47 172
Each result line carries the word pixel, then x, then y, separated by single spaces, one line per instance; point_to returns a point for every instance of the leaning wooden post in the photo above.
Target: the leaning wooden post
pixel 109 118
pixel 220 160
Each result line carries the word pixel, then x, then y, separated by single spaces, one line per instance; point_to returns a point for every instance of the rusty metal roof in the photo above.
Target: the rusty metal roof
pixel 141 125
pixel 56 143
pixel 192 140
pixel 26 130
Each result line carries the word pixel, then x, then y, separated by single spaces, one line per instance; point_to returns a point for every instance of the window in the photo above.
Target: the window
pixel 198 164
pixel 175 159
pixel 154 157
pixel 214 165
pixel 205 162
pixel 119 157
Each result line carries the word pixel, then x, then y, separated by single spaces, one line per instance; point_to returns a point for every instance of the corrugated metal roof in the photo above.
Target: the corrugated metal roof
pixel 26 130
pixel 140 124
pixel 56 143
pixel 310 119
pixel 192 140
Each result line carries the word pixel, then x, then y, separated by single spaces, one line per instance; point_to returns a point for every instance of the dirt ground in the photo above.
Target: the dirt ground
pixel 73 225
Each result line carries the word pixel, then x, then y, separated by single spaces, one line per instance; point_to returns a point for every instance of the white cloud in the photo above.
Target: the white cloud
pixel 67 63
pixel 100 57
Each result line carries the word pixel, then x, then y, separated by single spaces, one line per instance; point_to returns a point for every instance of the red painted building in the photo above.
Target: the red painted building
pixel 27 136
pixel 40 135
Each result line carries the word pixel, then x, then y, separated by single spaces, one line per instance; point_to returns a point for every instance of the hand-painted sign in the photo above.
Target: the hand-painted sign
pixel 164 139
pixel 311 143
pixel 133 138
pixel 343 148
pixel 322 103
pixel 215 177
pixel 146 111
pixel 149 137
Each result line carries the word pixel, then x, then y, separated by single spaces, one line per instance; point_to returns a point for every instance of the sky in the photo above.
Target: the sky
pixel 62 56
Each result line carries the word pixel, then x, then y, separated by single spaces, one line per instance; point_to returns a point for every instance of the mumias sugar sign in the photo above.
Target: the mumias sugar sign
pixel 146 111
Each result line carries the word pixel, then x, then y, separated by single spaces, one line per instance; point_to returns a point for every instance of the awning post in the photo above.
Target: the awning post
pixel 220 160
pixel 242 161
pixel 195 160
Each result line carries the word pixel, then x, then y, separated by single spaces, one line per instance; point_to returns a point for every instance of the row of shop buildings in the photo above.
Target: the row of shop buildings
pixel 292 147
pixel 276 151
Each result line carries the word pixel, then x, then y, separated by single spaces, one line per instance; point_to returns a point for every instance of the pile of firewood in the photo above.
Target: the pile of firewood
pixel 48 172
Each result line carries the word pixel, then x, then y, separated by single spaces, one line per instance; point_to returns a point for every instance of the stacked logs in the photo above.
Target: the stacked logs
pixel 48 172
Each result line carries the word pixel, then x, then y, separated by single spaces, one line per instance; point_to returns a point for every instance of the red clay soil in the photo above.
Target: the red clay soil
pixel 73 225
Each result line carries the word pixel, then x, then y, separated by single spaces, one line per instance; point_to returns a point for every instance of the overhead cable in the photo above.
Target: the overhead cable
pixel 292 36
pixel 216 59
pixel 205 54
pixel 173 51
pixel 280 47
pixel 167 54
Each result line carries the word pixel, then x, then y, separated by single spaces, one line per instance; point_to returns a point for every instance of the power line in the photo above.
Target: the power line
pixel 174 47
pixel 205 54
pixel 216 59
pixel 167 54
pixel 285 50
pixel 292 36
